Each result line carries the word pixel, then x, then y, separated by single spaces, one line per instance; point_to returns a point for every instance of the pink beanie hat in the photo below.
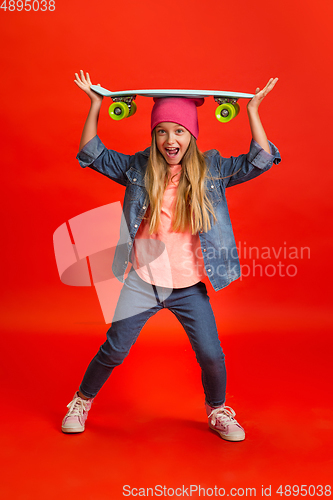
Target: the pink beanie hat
pixel 181 110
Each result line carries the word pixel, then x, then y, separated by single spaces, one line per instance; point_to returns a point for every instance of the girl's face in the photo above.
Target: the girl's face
pixel 172 141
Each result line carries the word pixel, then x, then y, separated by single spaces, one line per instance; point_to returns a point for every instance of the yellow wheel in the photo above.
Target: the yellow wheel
pixel 237 107
pixel 225 112
pixel 133 109
pixel 118 111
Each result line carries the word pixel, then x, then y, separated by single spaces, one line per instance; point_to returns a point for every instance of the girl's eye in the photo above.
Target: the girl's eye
pixel 180 131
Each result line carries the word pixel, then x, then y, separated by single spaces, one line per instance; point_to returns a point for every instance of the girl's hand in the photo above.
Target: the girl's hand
pixel 83 82
pixel 255 102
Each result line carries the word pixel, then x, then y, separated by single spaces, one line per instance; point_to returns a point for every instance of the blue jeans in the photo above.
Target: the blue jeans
pixel 139 301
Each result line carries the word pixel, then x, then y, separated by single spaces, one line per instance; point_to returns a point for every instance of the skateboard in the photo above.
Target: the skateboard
pixel 124 104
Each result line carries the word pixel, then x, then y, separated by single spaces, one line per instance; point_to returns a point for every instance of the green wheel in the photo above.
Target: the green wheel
pixel 118 110
pixel 225 112
pixel 133 109
pixel 237 108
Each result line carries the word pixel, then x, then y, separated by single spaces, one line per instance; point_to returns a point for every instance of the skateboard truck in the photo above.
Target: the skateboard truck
pixel 227 108
pixel 122 107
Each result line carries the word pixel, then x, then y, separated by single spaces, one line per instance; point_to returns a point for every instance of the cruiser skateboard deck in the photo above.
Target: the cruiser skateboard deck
pixel 124 104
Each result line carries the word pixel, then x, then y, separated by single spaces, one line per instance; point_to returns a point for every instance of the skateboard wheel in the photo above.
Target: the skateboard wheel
pixel 118 110
pixel 237 108
pixel 133 109
pixel 225 112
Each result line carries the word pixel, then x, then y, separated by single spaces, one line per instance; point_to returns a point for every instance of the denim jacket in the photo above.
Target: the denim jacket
pixel 218 244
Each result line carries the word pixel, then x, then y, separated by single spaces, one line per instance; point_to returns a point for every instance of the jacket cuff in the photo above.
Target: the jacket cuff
pixel 90 152
pixel 260 158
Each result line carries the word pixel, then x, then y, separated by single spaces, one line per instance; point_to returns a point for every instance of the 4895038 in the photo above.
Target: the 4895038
pixel 28 5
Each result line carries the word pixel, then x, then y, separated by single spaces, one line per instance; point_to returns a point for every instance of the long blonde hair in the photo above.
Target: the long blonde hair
pixel 193 208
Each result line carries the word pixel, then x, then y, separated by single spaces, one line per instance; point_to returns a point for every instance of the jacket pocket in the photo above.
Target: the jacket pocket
pixel 214 191
pixel 135 185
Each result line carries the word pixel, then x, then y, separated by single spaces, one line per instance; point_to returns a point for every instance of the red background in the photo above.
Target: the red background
pixel 275 328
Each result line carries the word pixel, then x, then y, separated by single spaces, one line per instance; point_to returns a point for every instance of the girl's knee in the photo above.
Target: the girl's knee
pixel 211 354
pixel 111 356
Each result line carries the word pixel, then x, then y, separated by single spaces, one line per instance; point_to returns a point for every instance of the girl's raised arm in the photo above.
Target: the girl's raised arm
pixel 90 126
pixel 257 130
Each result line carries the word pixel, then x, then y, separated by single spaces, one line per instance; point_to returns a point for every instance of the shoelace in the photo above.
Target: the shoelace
pixel 77 407
pixel 224 414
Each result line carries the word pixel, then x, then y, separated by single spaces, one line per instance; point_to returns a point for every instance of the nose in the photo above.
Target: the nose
pixel 170 138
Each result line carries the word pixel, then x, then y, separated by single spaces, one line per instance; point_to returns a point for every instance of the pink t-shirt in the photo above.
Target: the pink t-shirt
pixel 167 258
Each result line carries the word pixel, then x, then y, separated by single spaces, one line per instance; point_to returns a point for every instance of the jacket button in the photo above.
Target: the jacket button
pixel 134 180
pixel 212 187
pixel 143 208
pixel 205 250
pixel 135 225
pixel 125 261
pixel 129 243
pixel 209 270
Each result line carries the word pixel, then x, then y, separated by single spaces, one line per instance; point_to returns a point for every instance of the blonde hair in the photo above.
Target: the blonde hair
pixel 193 208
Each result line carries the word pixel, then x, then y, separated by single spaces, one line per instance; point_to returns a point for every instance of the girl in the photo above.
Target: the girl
pixel 177 230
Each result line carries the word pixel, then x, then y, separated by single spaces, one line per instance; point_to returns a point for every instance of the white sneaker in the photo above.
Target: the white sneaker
pixel 77 414
pixel 222 421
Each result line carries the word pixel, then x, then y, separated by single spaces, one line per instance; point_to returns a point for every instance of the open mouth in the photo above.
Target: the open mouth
pixel 172 152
